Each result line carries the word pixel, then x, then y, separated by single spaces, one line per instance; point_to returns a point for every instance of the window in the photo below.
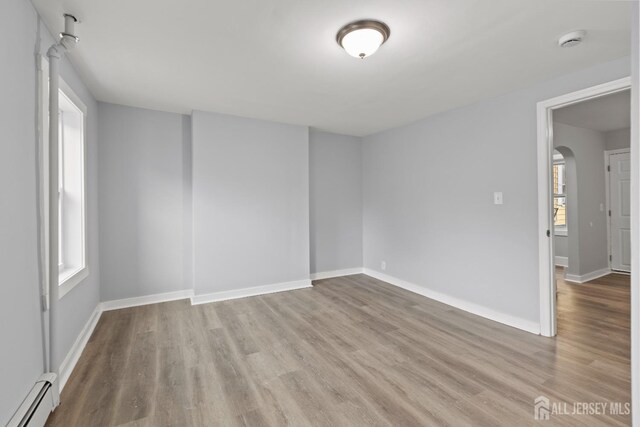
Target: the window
pixel 72 260
pixel 71 204
pixel 559 194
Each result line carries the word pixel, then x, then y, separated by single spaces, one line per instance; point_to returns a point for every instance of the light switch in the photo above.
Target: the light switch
pixel 497 198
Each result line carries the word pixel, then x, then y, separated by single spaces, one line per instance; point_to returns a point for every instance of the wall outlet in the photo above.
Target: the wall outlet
pixel 383 265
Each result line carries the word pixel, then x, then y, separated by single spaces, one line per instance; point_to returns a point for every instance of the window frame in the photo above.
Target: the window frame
pixel 561 230
pixel 60 190
pixel 67 279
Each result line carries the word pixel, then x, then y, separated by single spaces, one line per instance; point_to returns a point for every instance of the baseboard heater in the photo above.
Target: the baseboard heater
pixel 36 407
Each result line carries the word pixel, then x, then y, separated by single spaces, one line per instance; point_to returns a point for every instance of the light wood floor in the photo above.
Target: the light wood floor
pixel 351 351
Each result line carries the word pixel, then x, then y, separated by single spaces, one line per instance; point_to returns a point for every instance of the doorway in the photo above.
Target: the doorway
pixel 618 164
pixel 603 311
pixel 587 221
pixel 592 196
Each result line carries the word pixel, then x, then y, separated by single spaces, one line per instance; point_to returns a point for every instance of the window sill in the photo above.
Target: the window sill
pixel 69 279
pixel 560 232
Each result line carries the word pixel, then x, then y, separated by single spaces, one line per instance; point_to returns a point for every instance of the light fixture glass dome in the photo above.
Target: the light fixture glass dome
pixel 362 38
pixel 362 43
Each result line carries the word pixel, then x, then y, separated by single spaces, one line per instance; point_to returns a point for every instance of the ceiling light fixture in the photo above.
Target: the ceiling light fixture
pixel 362 38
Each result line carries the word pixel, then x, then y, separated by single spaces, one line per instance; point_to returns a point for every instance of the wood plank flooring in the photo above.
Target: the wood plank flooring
pixel 351 351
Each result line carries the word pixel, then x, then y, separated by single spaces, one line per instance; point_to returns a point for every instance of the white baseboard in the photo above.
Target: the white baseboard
pixel 250 292
pixel 144 300
pixel 479 310
pixel 562 261
pixel 69 362
pixel 574 278
pixel 336 273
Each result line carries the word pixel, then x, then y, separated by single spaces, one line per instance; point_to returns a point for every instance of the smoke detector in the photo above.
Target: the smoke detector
pixel 571 39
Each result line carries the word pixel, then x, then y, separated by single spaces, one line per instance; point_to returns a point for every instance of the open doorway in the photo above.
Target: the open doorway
pixel 591 178
pixel 591 219
pixel 584 173
pixel 584 177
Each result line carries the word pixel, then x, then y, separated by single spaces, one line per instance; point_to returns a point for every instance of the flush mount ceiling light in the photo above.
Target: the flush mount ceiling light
pixel 571 39
pixel 362 38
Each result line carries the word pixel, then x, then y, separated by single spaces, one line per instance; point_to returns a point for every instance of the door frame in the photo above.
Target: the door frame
pixel 546 258
pixel 607 178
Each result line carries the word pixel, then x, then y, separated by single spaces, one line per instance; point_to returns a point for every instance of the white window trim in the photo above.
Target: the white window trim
pixel 60 189
pixel 71 278
pixel 560 230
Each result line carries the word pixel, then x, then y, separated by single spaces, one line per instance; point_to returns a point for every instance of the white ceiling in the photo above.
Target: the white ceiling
pixel 611 112
pixel 278 59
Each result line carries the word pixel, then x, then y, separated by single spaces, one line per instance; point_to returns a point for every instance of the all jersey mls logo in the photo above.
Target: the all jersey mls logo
pixel 541 408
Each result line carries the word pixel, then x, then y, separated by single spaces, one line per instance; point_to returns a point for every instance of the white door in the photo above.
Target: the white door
pixel 620 214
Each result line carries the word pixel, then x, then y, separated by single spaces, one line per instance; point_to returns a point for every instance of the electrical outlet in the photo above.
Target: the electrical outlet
pixel 383 265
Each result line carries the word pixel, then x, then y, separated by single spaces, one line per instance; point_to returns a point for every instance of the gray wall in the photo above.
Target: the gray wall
pixel 590 236
pixel 142 197
pixel 618 139
pixel 250 202
pixel 561 246
pixel 335 181
pixel 428 187
pixel 21 335
pixel 635 210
